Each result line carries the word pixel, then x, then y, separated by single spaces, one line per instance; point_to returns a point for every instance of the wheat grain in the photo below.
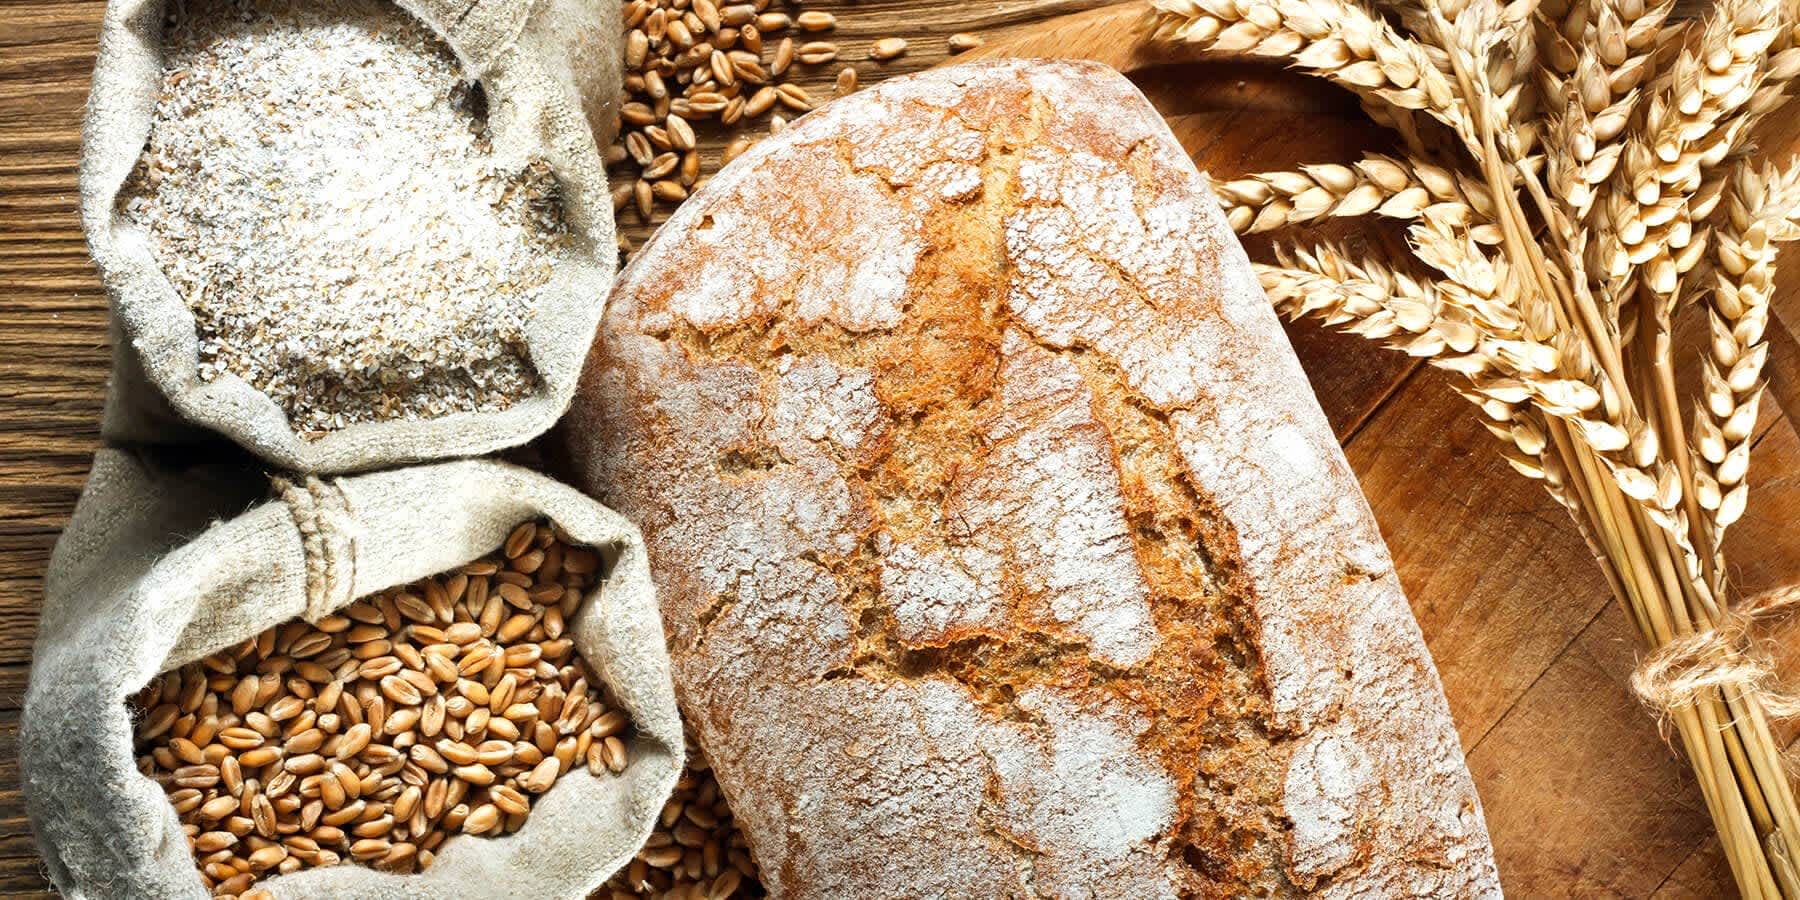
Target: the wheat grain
pixel 355 738
pixel 963 41
pixel 696 851
pixel 887 48
pixel 690 63
pixel 816 53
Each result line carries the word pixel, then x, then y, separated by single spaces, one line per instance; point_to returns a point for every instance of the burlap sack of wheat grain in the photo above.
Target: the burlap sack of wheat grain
pixel 550 71
pixel 171 557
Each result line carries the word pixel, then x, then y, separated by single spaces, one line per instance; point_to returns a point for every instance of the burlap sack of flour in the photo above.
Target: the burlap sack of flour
pixel 548 68
pixel 160 566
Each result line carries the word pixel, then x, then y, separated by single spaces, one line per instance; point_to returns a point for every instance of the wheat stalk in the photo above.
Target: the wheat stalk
pixel 1599 186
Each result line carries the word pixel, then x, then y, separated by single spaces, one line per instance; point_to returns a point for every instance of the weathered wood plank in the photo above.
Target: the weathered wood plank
pixel 1497 574
pixel 1564 825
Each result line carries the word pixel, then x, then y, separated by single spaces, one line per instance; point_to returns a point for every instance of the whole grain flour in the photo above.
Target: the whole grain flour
pixel 175 555
pixel 320 189
pixel 349 234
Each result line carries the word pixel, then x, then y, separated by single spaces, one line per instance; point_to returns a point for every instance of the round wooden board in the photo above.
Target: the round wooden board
pixel 1582 797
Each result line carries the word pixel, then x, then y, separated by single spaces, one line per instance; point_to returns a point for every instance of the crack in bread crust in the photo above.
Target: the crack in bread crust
pixel 954 607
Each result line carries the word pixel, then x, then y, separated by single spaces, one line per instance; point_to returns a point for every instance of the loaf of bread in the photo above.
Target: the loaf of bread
pixel 1002 546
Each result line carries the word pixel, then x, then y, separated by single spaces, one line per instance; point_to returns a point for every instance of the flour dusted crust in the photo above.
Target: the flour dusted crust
pixel 1002 546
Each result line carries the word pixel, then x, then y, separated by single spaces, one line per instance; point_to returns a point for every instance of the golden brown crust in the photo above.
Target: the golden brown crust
pixel 1002 549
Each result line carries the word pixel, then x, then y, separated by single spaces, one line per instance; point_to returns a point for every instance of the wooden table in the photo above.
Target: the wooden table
pixel 1582 796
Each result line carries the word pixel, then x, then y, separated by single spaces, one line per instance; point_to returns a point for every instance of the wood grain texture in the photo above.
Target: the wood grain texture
pixel 1582 797
pixel 53 353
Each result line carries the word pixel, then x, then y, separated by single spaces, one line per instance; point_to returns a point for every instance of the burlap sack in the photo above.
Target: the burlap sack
pixel 549 68
pixel 160 566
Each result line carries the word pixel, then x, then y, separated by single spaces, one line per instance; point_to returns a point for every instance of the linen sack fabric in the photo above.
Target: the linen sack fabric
pixel 163 564
pixel 549 69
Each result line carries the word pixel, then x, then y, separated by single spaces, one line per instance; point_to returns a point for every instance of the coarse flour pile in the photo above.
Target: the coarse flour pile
pixel 319 187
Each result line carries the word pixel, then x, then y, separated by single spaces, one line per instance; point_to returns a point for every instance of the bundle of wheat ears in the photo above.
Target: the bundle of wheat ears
pixel 1577 179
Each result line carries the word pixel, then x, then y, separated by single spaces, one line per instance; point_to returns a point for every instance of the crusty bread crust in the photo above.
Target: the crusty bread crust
pixel 1002 547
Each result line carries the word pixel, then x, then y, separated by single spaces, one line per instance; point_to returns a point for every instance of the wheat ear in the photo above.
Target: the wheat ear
pixel 1731 377
pixel 1466 322
pixel 1613 51
pixel 1368 298
pixel 1695 117
pixel 1376 184
pixel 1338 40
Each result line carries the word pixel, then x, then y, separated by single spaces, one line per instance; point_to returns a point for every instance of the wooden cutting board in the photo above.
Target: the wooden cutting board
pixel 1582 796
